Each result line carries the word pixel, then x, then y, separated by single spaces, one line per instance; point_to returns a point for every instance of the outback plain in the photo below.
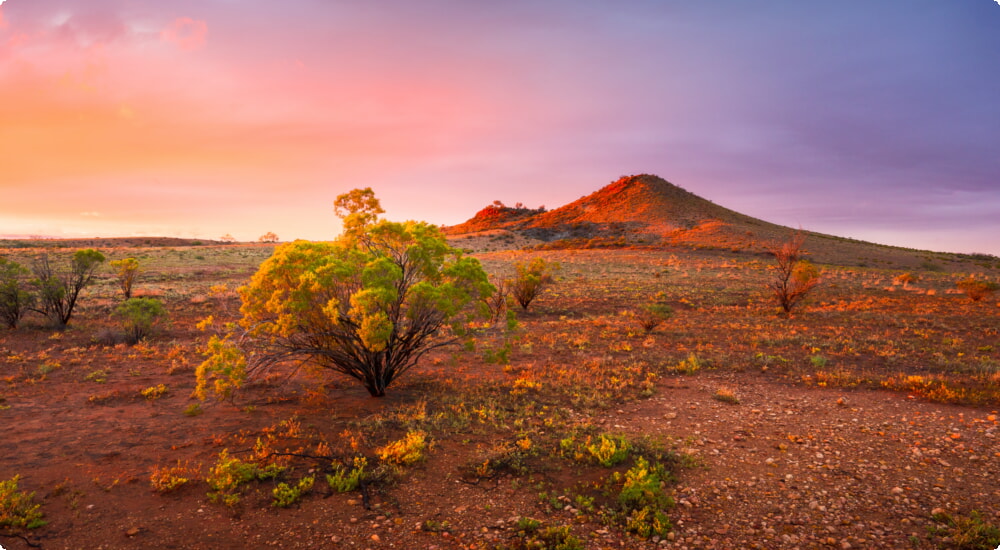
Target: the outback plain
pixel 653 395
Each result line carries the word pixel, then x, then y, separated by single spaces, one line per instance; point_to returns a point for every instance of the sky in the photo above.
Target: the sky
pixel 198 118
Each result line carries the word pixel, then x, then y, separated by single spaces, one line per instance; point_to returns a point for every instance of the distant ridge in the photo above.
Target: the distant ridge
pixel 647 211
pixel 632 211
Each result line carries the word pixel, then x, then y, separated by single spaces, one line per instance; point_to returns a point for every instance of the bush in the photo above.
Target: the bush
pixel 139 317
pixel 127 271
pixel 368 305
pixel 977 289
pixel 16 507
pixel 406 451
pixel 286 495
pixel 531 280
pixel 58 292
pixel 651 315
pixel 796 277
pixel 15 300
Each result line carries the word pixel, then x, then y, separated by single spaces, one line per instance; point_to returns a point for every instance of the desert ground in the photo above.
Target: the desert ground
pixel 868 418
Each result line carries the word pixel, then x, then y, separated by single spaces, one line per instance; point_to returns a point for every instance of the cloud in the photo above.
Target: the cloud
pixel 186 33
pixel 90 214
pixel 3 24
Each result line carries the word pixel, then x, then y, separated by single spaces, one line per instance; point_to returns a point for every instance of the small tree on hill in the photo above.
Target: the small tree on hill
pixel 58 291
pixel 127 271
pixel 15 300
pixel 368 305
pixel 531 280
pixel 795 277
pixel 977 289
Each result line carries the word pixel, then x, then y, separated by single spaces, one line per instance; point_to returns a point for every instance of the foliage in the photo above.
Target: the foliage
pixel 368 305
pixel 533 535
pixel 970 532
pixel 606 450
pixel 977 289
pixel 15 300
pixel 127 270
pixel 531 280
pixel 406 451
pixel 286 495
pixel 58 291
pixel 269 237
pixel 165 480
pixel 642 498
pixel 726 395
pixel 344 480
pixel 139 317
pixel 651 315
pixel 691 365
pixel 16 507
pixel 153 393
pixel 796 277
pixel 229 473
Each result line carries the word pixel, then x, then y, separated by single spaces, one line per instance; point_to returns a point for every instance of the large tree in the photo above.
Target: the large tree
pixel 59 289
pixel 368 305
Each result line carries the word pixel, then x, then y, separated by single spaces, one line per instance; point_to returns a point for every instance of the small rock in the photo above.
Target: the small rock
pixel 132 532
pixel 897 491
pixel 376 538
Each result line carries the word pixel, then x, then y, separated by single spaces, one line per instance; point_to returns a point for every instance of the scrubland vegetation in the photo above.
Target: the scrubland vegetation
pixel 616 411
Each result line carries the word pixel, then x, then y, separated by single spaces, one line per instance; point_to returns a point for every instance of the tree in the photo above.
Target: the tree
pixel 15 300
pixel 127 270
pixel 227 239
pixel 795 277
pixel 368 305
pixel 269 237
pixel 358 208
pixel 58 292
pixel 139 317
pixel 531 280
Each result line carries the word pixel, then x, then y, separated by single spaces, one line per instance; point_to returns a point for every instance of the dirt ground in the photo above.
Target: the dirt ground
pixel 808 453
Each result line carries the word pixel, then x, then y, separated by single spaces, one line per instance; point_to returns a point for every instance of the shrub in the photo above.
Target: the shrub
pixel 58 291
pixel 269 237
pixel 165 480
pixel 651 315
pixel 531 279
pixel 139 317
pixel 796 277
pixel 16 507
pixel 15 300
pixel 126 271
pixel 406 451
pixel 977 289
pixel 368 305
pixel 642 498
pixel 344 480
pixel 286 495
pixel 229 473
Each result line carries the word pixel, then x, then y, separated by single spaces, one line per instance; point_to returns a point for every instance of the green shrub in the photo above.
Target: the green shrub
pixel 532 278
pixel 15 300
pixel 344 480
pixel 139 317
pixel 16 507
pixel 286 495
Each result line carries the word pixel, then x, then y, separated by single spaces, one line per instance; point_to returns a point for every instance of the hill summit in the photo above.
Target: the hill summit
pixel 634 210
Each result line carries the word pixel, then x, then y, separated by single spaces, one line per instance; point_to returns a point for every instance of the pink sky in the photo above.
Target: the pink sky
pixel 200 118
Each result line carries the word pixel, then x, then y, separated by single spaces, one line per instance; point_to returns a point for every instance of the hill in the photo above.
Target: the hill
pixel 647 211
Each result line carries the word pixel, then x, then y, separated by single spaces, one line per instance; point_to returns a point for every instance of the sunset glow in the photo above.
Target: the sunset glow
pixel 201 118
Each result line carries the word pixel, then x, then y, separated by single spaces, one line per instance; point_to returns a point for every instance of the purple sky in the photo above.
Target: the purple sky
pixel 872 120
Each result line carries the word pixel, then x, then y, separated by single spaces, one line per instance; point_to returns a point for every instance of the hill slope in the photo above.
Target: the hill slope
pixel 648 211
pixel 635 210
